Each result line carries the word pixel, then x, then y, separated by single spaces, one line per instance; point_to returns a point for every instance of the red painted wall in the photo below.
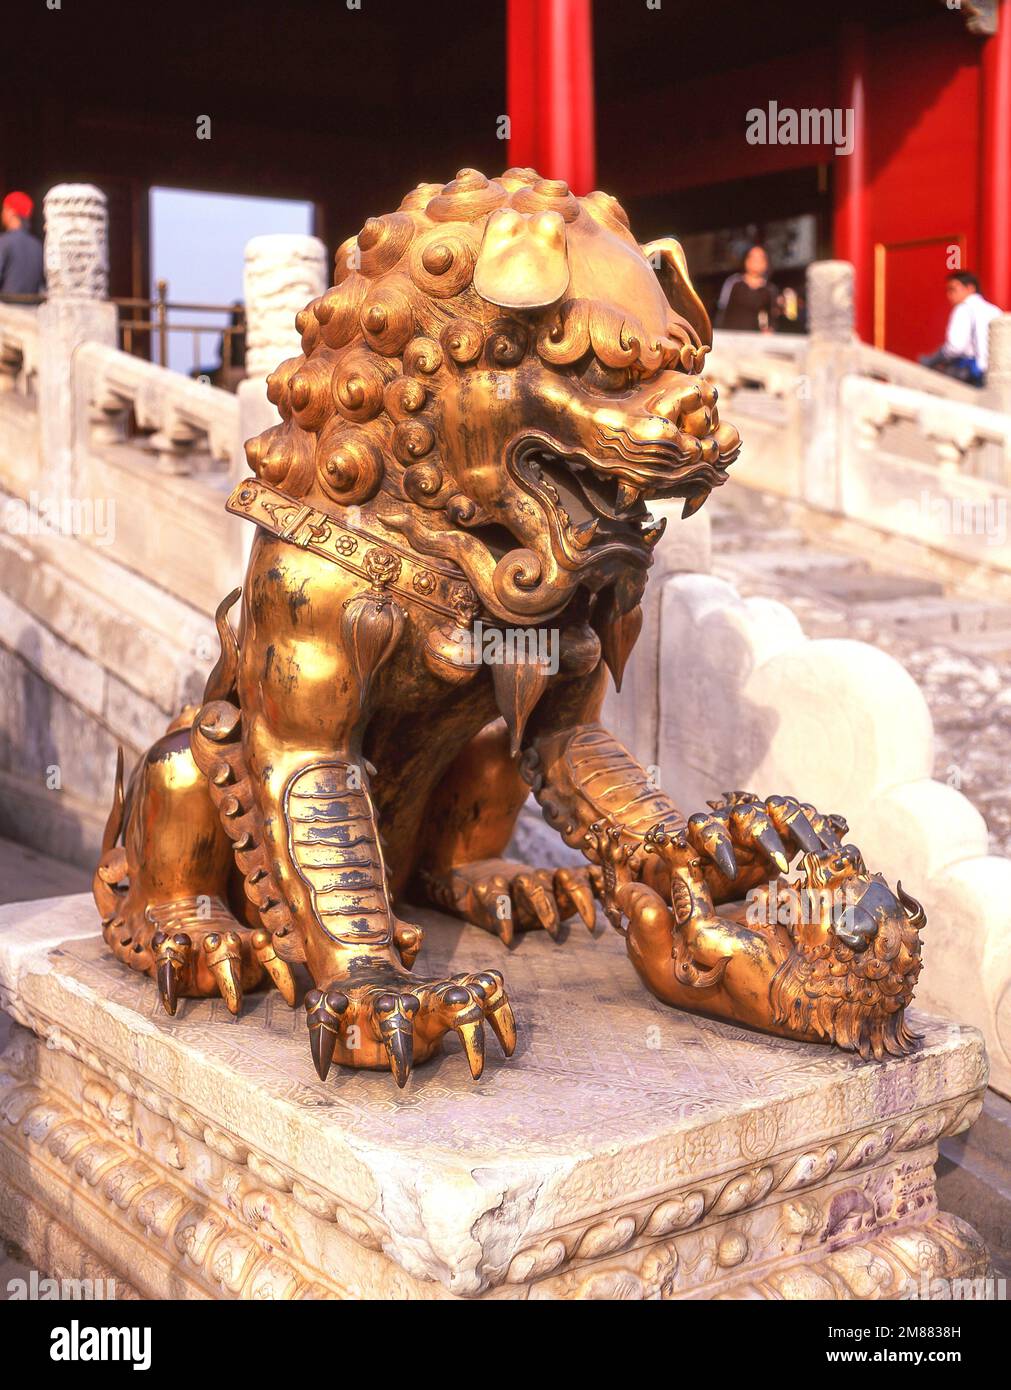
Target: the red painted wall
pixel 681 151
pixel 924 150
pixel 924 101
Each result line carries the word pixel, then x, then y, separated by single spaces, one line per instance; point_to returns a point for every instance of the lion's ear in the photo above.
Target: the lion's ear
pixel 667 258
pixel 524 260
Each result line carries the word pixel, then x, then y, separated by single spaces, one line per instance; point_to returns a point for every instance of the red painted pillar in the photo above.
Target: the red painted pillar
pixel 995 222
pixel 851 230
pixel 550 89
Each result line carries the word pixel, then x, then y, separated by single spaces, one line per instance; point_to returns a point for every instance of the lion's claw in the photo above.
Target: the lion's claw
pixel 534 897
pixel 712 839
pixel 324 1011
pixel 791 819
pixel 574 894
pixel 223 952
pixel 172 963
pixel 389 1019
pixel 194 949
pixel 743 838
pixel 278 970
pixel 394 1015
pixel 498 1010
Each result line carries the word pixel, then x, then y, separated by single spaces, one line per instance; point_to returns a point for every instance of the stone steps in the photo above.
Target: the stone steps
pixel 27 875
pixel 746 552
pixel 955 644
pixel 92 656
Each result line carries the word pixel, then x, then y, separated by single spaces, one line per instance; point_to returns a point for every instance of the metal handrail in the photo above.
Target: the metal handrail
pixel 161 306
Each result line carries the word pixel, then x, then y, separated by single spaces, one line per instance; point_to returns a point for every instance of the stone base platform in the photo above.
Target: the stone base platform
pixel 626 1151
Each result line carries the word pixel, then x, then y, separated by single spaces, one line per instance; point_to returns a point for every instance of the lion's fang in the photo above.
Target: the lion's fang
pixel 582 535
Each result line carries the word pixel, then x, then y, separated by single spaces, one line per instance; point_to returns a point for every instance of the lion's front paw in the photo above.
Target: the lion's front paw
pixel 388 1019
pixel 743 839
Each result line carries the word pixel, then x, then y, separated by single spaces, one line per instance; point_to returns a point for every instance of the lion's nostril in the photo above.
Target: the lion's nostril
pixel 696 422
pixel 676 405
pixel 727 438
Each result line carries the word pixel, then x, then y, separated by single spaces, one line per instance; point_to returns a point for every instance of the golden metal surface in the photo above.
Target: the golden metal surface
pixel 452 545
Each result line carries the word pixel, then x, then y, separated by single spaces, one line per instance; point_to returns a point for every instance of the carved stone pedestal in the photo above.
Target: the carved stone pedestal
pixel 627 1150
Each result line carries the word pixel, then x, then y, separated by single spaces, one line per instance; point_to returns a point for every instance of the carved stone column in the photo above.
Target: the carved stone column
pixel 283 272
pixel 76 242
pixel 998 377
pixel 831 325
pixel 830 311
pixel 75 312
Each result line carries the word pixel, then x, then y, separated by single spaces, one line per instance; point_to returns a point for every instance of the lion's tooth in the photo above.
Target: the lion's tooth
pixel 627 496
pixel 582 536
pixel 692 504
pixel 654 531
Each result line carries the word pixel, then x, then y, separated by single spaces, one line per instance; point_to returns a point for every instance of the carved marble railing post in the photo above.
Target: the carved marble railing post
pixel 831 354
pixel 998 377
pixel 283 272
pixel 76 311
pixel 830 301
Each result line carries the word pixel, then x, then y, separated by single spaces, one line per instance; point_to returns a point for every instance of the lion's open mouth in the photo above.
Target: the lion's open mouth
pixel 596 504
pixel 593 507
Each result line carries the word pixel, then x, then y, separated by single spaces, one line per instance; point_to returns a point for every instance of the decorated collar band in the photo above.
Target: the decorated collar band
pixel 376 561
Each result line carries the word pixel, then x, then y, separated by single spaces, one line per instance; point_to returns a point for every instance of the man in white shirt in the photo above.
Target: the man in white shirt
pixel 965 353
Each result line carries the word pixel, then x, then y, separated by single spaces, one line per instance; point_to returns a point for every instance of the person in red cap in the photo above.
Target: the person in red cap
pixel 21 269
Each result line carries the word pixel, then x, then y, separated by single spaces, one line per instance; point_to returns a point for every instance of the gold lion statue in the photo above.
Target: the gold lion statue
pixel 452 543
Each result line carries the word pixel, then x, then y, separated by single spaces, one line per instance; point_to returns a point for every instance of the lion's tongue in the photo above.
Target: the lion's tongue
pixel 586 497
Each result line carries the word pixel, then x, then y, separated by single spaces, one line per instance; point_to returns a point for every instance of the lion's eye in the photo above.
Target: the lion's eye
pixel 600 378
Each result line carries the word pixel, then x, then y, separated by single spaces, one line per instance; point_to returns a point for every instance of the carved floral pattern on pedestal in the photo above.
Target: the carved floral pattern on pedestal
pixel 717 1160
pixel 685 1243
pixel 233 1247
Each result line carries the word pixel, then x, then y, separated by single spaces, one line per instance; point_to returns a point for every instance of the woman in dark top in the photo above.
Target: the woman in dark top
pixel 748 301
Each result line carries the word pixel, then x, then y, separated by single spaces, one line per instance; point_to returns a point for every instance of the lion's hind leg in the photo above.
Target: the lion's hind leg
pixel 473 814
pixel 502 896
pixel 163 893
